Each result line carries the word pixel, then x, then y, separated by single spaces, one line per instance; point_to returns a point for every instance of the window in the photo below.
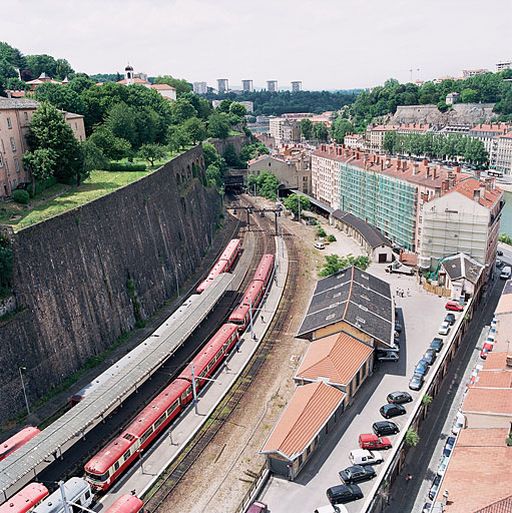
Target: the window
pixel 9 123
pixel 129 437
pixel 13 144
pixel 1 161
pixel 126 455
pixel 146 435
pixel 17 165
pixel 26 115
pixel 172 407
pixel 160 421
pixel 116 466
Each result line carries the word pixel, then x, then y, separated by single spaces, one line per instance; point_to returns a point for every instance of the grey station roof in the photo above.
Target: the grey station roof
pixel 373 236
pixel 17 103
pixel 462 266
pixel 356 297
pixel 86 414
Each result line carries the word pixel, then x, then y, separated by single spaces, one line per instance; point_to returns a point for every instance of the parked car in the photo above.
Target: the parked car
pixel 450 318
pixel 454 306
pixel 443 466
pixel 319 245
pixel 486 348
pixel 444 329
pixel 331 509
pixel 448 448
pixel 397 267
pixel 430 356
pixel 374 442
pixel 344 493
pixel 399 397
pixel 365 457
pixel 436 344
pixel 388 356
pixel 258 507
pixel 506 272
pixel 357 474
pixel 392 410
pixel 434 488
pixel 499 263
pixel 499 252
pixel 427 507
pixel 460 422
pixel 421 367
pixel 416 382
pixel 398 326
pixel 385 427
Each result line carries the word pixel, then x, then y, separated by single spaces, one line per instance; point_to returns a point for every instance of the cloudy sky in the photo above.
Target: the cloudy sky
pixel 328 44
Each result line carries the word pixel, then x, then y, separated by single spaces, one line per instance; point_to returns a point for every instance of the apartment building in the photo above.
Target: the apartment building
pixel 15 117
pixel 375 133
pixel 503 155
pixel 247 86
pixel 466 219
pixel 296 86
pixel 284 130
pixel 292 167
pixel 503 65
pixel 489 134
pixel 387 193
pixel 354 141
pixel 272 86
pixel 200 87
pixel 222 85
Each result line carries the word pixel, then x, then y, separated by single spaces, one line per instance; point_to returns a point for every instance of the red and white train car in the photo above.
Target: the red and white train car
pixel 26 499
pixel 127 504
pixel 223 264
pixel 18 440
pixel 103 469
pixel 265 268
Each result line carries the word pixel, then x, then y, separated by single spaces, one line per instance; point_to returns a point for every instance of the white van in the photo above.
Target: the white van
pixel 365 457
pixel 506 272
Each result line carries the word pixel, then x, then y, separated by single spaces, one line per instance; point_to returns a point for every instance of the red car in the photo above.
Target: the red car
pixel 454 306
pixel 486 348
pixel 371 441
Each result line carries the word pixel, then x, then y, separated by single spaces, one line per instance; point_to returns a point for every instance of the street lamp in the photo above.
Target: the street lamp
pixel 21 369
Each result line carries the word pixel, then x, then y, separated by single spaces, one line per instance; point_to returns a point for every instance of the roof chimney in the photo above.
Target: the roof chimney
pixel 415 169
pixel 476 194
pixel 435 173
pixel 398 164
pixel 428 171
pixel 404 165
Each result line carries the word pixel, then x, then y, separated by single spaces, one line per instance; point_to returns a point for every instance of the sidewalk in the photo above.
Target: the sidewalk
pixel 143 475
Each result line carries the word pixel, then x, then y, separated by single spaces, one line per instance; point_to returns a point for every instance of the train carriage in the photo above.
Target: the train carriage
pixel 104 468
pixel 241 315
pixel 211 355
pixel 25 500
pixel 265 268
pixel 127 504
pixel 77 491
pixel 18 440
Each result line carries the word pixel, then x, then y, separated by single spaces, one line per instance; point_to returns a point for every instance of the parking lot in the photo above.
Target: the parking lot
pixel 422 316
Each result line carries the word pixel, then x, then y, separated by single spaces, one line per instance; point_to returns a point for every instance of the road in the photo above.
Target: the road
pixel 403 494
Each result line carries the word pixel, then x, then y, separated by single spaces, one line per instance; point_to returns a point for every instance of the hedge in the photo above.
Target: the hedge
pixel 21 196
pixel 126 166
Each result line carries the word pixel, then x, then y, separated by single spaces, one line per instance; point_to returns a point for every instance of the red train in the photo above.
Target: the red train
pixel 16 441
pixel 254 292
pixel 26 499
pixel 110 462
pixel 223 264
pixel 127 504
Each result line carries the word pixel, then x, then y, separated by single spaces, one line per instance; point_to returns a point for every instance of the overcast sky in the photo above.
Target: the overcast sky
pixel 328 44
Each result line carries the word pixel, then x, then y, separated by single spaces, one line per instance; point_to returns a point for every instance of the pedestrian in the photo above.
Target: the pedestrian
pixel 238 346
pixel 262 319
pixel 408 478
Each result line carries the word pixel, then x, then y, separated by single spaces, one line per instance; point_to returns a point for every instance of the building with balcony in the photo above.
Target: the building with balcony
pixel 284 130
pixel 489 134
pixel 222 85
pixel 296 86
pixel 247 86
pixel 272 86
pixel 503 154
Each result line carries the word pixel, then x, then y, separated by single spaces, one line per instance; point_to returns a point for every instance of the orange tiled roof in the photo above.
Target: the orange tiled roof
pixel 307 412
pixel 477 477
pixel 492 127
pixel 162 87
pixel 496 359
pixel 482 437
pixel 492 401
pixel 493 379
pixel 133 81
pixel 488 198
pixel 336 357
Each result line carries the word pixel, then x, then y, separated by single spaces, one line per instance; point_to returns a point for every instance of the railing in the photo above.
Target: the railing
pixel 260 480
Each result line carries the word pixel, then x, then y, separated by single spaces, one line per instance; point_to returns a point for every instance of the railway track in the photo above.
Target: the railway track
pixel 76 456
pixel 168 481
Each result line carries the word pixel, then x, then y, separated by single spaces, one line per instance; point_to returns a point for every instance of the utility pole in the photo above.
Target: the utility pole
pixel 65 503
pixel 21 369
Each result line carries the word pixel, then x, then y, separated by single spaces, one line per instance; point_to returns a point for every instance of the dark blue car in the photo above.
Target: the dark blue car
pixel 421 367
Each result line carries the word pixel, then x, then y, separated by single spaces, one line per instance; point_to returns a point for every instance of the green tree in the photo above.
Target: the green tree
pixel 321 132
pixel 38 64
pixel 63 69
pixel 48 130
pixel 306 128
pixel 121 122
pixel 61 97
pixel 426 400
pixel 237 109
pixel 93 156
pixel 390 142
pixel 6 266
pixel 292 202
pixel 505 238
pixel 340 128
pixel 80 82
pixel 112 147
pixel 224 106
pixel 211 155
pixel 265 184
pixel 412 439
pixel 42 163
pixel 177 137
pixel 214 176
pixel 231 156
pixel 335 263
pixel 151 152
pixel 219 125
pixel 183 109
pixel 196 130
pixel 182 86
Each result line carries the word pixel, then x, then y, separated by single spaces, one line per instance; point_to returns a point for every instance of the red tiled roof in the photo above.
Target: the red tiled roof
pixel 163 87
pixel 482 437
pixel 493 379
pixel 496 359
pixel 493 127
pixel 336 357
pixel 307 412
pixel 133 81
pixel 491 401
pixel 488 198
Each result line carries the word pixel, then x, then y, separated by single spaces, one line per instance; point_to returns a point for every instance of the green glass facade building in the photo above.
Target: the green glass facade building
pixel 384 201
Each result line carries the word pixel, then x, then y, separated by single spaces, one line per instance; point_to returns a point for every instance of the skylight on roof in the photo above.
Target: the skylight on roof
pixel 364 296
pixel 360 320
pixel 365 276
pixel 363 308
pixel 338 294
pixel 330 317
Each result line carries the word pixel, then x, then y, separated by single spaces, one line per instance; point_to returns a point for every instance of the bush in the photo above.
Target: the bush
pixel 331 238
pixel 412 438
pixel 320 232
pixel 126 166
pixel 506 239
pixel 21 196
